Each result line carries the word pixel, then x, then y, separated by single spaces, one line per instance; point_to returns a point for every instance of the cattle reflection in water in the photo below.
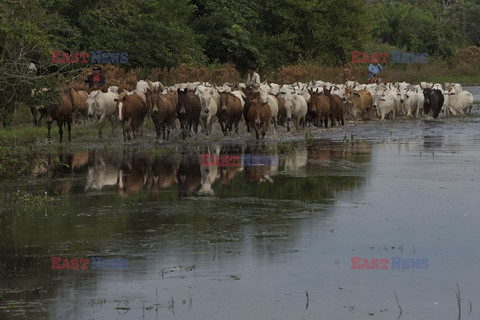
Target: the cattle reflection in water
pixel 132 174
pixel 163 172
pixel 133 171
pixel 189 176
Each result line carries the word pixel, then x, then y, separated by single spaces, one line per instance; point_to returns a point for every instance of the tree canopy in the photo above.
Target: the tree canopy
pixel 263 33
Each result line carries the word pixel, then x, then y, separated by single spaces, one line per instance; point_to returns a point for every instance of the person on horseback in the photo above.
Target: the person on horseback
pixel 95 80
pixel 253 79
pixel 374 70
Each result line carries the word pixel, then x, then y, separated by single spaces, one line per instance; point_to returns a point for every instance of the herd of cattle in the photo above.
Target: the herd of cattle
pixel 200 105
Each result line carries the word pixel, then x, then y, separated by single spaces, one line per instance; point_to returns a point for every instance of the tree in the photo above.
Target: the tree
pixel 154 33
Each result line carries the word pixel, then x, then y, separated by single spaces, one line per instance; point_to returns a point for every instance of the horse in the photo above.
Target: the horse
pixel 376 79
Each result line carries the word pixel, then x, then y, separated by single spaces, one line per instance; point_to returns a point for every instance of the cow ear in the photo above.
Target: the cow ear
pixel 178 90
pixel 356 93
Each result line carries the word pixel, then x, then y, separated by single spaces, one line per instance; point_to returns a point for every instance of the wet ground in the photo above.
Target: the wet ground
pixel 252 242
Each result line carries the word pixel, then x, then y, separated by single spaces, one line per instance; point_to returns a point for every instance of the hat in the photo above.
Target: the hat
pixel 97 68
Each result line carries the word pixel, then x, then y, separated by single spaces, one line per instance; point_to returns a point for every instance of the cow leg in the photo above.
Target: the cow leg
pixel 256 130
pixel 274 120
pixel 332 121
pixel 158 129
pixel 236 125
pixel 325 119
pixel 195 126
pixel 33 111
pixel 60 129
pixel 130 132
pixel 49 127
pixel 343 120
pixel 100 125
pixel 69 127
pixel 113 122
pixel 163 128
pixel 169 127
pixel 224 129
pixel 124 132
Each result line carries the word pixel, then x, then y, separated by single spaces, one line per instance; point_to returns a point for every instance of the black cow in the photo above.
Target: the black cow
pixel 433 101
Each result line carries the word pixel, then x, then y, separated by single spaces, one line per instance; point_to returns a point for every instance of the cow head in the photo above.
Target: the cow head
pixel 223 101
pixel 182 101
pixel 120 104
pixel 92 102
pixel 427 94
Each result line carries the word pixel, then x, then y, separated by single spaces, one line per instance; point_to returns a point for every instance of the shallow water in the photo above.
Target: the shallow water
pixel 258 242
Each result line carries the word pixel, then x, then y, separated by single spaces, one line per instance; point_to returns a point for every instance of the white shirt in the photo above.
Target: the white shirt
pixel 253 80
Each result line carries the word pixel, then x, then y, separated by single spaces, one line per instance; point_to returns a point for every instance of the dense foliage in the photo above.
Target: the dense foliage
pixel 263 33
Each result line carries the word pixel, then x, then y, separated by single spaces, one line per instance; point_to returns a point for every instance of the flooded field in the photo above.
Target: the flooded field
pixel 252 242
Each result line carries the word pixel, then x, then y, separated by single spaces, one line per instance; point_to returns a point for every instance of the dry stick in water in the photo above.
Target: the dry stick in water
pixel 457 293
pixel 308 300
pixel 396 299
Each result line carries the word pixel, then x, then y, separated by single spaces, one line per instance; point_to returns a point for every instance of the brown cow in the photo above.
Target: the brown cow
pixel 188 111
pixel 260 116
pixel 131 111
pixel 336 107
pixel 359 100
pixel 38 108
pixel 62 113
pixel 80 107
pixel 282 111
pixel 229 111
pixel 319 108
pixel 162 109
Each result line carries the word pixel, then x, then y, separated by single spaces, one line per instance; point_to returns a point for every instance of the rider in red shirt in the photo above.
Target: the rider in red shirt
pixel 96 80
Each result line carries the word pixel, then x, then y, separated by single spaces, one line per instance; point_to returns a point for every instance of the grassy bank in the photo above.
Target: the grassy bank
pixel 433 71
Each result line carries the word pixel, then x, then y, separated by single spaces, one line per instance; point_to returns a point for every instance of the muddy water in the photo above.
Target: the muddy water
pixel 252 242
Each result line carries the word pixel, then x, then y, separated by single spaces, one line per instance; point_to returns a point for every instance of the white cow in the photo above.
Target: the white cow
pixel 142 86
pixel 412 103
pixel 113 89
pixel 102 105
pixel 209 108
pixel 459 102
pixel 385 104
pixel 296 107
